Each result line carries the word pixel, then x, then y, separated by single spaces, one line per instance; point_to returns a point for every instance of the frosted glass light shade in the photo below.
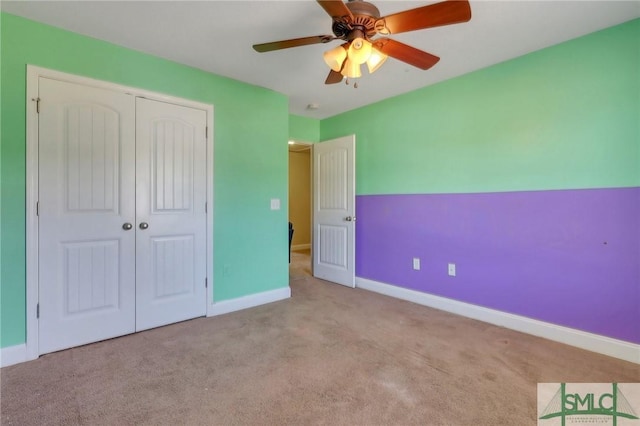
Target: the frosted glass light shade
pixel 335 57
pixel 359 50
pixel 351 69
pixel 376 60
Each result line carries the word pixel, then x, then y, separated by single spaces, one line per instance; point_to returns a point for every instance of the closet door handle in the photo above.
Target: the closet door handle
pixel 143 225
pixel 127 226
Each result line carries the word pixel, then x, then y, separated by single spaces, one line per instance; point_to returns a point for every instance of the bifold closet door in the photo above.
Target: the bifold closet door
pixel 86 206
pixel 170 211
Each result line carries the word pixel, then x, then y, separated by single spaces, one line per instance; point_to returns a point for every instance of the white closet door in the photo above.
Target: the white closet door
pixel 86 196
pixel 170 211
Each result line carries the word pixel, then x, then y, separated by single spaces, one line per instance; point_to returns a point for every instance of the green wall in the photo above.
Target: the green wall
pixel 250 130
pixel 304 129
pixel 564 117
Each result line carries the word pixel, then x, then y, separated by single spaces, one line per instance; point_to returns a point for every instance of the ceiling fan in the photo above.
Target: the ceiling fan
pixel 359 24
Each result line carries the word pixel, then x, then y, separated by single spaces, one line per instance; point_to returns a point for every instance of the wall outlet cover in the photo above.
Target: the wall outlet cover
pixel 452 269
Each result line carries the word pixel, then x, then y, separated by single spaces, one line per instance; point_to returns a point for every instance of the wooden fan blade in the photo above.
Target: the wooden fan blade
pixel 333 77
pixel 406 53
pixel 294 42
pixel 433 15
pixel 337 10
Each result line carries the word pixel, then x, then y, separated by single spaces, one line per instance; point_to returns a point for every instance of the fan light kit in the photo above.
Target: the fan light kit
pixel 359 24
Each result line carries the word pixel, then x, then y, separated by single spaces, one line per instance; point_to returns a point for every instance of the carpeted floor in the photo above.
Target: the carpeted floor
pixel 329 355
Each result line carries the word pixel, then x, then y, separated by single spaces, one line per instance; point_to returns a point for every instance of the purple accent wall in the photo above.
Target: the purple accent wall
pixel 568 257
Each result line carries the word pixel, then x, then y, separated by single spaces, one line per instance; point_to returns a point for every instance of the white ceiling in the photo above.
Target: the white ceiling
pixel 217 36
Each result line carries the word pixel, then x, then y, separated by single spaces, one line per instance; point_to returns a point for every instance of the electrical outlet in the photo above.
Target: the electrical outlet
pixel 452 269
pixel 416 263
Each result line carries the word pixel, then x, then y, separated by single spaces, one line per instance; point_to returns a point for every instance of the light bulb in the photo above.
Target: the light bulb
pixel 335 57
pixel 376 60
pixel 359 50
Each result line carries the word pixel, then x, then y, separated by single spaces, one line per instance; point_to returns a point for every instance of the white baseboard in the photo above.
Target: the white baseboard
pixel 301 247
pixel 13 355
pixel 249 301
pixel 581 339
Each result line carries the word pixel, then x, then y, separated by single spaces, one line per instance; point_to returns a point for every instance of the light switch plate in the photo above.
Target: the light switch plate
pixel 275 204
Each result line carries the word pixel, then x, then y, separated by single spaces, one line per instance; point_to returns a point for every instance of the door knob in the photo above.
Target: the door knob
pixel 127 226
pixel 144 225
pixel 349 218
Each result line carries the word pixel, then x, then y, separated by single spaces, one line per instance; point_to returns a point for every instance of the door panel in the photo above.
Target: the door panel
pixel 172 148
pixel 333 179
pixel 170 252
pixel 332 243
pixel 90 276
pixel 173 266
pixel 91 147
pixel 334 211
pixel 86 258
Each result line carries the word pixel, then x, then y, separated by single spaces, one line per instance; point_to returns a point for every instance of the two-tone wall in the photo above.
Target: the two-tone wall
pixel 250 156
pixel 526 175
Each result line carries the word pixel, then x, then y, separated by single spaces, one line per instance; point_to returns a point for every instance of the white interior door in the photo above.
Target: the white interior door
pixel 334 210
pixel 170 213
pixel 86 257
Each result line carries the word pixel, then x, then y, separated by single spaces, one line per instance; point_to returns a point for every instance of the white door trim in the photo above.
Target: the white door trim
pixel 32 279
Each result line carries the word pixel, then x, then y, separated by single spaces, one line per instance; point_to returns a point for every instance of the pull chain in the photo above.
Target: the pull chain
pixel 355 83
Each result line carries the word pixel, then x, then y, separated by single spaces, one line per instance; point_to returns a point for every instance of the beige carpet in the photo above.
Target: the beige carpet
pixel 329 355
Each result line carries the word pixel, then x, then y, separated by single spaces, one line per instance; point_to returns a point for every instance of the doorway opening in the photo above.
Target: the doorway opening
pixel 300 207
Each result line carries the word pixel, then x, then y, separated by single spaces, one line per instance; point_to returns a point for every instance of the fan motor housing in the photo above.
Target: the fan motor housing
pixel 360 7
pixel 365 16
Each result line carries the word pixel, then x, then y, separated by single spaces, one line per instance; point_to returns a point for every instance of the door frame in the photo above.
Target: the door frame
pixel 309 146
pixel 32 233
pixel 312 187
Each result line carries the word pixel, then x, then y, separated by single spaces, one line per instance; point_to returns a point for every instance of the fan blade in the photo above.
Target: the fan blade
pixel 337 10
pixel 433 15
pixel 333 77
pixel 294 42
pixel 406 53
